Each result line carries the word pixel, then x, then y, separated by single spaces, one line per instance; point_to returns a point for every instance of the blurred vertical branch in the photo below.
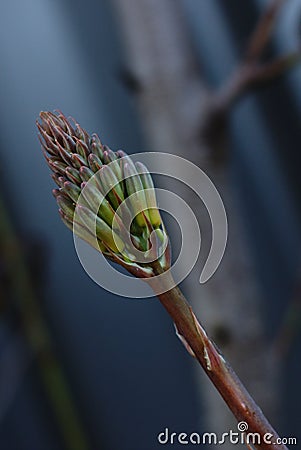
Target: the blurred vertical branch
pixel 291 326
pixel 26 304
pixel 181 114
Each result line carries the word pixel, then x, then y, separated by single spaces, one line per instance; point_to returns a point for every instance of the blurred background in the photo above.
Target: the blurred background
pixel 79 367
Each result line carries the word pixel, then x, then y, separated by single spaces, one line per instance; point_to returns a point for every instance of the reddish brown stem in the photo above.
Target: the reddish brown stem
pixel 217 369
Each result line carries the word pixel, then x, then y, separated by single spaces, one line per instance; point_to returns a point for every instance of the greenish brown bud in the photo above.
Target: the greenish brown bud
pixel 98 189
pixel 66 205
pixel 97 202
pixel 72 190
pixel 73 174
pixel 108 155
pixel 111 186
pixel 58 167
pixel 64 154
pixel 134 186
pixel 85 173
pixel 81 134
pixel 94 162
pixel 150 195
pixel 103 231
pixel 121 154
pixel 56 179
pixel 83 233
pixel 78 161
pixel 96 146
pixel 82 150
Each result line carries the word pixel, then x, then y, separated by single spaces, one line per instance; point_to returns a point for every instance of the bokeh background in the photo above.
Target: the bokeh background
pixel 127 374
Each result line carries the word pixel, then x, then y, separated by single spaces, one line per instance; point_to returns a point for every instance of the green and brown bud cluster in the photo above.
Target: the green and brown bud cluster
pixel 94 181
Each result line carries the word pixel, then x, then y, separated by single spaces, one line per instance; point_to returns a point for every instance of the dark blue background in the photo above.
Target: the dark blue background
pixel 129 375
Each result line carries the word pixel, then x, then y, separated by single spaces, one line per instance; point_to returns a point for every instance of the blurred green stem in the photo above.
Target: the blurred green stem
pixel 38 337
